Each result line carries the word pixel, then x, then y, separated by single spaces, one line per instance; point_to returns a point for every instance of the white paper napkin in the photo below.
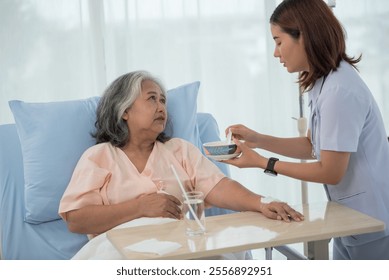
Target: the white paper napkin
pixel 154 246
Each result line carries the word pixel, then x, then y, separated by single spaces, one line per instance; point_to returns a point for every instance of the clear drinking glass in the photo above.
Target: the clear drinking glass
pixel 195 217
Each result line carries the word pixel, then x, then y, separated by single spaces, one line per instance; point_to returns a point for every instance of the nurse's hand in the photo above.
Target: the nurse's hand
pixel 247 158
pixel 244 133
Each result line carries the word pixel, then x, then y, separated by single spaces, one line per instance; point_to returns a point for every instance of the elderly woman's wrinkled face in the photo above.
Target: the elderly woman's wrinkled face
pixel 148 114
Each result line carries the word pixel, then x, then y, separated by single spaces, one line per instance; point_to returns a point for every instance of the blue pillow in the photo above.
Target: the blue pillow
pixel 182 111
pixel 54 135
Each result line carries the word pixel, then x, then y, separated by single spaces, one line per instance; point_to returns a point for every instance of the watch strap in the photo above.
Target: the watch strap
pixel 270 166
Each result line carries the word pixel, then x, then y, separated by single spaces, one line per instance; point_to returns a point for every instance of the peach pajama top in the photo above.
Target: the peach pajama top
pixel 105 175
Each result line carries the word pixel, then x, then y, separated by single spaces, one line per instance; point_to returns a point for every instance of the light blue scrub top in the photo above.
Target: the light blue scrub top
pixel 345 118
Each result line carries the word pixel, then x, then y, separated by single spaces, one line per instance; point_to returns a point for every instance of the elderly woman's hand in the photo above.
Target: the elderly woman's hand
pixel 159 205
pixel 280 211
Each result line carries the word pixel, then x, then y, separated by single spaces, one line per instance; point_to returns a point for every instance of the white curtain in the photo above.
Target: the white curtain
pixel 68 49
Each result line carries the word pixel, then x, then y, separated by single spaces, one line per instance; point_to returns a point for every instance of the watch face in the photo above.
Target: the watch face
pixel 269 172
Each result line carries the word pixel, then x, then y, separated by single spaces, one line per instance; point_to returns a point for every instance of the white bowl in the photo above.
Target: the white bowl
pixel 218 148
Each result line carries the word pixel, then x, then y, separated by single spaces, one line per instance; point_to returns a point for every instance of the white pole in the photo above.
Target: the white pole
pixel 302 130
pixel 331 3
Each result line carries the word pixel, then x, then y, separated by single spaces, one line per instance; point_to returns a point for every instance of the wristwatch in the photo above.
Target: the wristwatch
pixel 270 167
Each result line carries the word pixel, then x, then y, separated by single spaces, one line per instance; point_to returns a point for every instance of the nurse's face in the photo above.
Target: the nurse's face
pixel 289 50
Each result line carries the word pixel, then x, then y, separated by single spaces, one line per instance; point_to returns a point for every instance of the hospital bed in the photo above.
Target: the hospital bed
pixel 38 153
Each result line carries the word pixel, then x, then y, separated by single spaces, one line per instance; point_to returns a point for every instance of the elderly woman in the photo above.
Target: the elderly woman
pixel 118 179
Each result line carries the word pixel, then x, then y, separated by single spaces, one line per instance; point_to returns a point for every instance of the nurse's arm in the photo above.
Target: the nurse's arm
pixel 329 170
pixel 296 147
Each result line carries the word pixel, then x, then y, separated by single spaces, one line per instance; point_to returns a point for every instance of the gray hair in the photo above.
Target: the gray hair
pixel 116 99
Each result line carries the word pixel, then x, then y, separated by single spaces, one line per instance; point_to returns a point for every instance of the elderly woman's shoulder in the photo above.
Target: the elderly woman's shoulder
pixel 100 149
pixel 179 143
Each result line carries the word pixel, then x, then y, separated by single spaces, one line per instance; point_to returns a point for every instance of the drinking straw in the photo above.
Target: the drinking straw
pixel 187 199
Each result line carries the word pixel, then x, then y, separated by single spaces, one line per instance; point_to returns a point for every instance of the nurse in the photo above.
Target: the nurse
pixel 346 145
